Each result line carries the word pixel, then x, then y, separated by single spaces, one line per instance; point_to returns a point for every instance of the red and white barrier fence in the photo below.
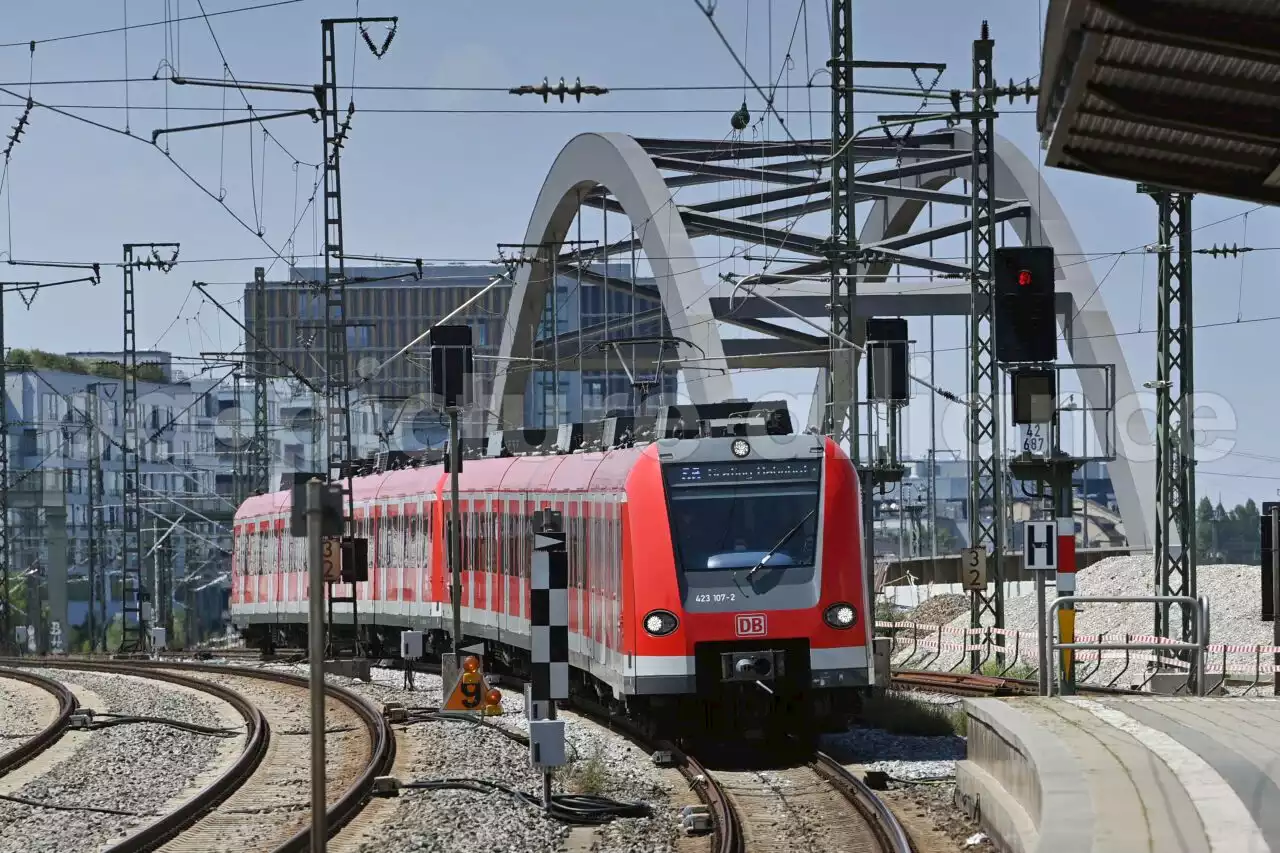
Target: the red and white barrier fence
pixel 920 645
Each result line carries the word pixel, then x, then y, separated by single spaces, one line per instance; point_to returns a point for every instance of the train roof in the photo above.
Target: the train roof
pixel 573 472
pixel 599 471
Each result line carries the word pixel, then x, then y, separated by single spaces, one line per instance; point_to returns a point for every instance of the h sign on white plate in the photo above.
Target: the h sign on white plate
pixel 1040 546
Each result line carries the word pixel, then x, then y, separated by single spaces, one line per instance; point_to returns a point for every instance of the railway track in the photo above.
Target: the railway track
pixel 260 803
pixel 65 703
pixel 968 684
pixel 815 805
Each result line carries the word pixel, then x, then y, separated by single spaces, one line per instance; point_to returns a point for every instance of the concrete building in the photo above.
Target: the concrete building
pixel 901 515
pixel 583 312
pixel 393 306
pixel 151 358
pixel 192 440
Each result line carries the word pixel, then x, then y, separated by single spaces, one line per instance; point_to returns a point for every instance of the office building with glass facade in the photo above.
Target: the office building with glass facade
pixel 390 307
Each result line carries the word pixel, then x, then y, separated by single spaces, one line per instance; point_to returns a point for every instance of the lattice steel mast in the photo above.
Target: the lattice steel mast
pixel 260 458
pixel 93 519
pixel 337 389
pixel 336 362
pixel 986 458
pixel 7 637
pixel 1175 545
pixel 841 417
pixel 133 636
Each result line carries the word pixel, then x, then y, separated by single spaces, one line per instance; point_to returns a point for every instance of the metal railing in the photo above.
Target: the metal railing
pixel 1198 648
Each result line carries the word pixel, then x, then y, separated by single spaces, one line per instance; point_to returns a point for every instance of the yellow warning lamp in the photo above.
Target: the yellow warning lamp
pixel 471 664
pixel 493 697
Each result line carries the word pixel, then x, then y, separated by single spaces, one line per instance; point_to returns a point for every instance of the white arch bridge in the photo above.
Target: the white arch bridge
pixel 643 179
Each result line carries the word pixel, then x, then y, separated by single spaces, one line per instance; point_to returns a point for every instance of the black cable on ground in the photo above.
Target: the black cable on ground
pixel 427 715
pixel 579 809
pixel 103 720
pixel 24 801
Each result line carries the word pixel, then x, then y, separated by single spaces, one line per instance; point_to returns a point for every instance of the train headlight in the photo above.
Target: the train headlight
pixel 660 623
pixel 841 616
pixel 740 447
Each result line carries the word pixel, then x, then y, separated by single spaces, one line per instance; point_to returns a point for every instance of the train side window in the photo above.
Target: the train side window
pixel 526 544
pixel 406 536
pixel 571 535
pixel 400 532
pixel 513 533
pixel 428 531
pixel 493 543
pixel 467 540
pixel 579 545
pixel 584 546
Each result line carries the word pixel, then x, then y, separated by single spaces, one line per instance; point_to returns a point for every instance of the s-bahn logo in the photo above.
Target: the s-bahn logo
pixel 752 625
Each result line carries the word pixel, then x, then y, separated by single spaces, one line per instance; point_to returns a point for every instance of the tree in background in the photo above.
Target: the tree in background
pixel 1227 536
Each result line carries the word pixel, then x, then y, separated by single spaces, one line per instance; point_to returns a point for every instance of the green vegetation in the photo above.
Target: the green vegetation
pixel 21 359
pixel 1228 537
pixel 588 775
pixel 901 715
pixel 1016 670
pixel 886 612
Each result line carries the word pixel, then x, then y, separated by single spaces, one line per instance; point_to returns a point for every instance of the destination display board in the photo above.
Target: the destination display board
pixel 755 471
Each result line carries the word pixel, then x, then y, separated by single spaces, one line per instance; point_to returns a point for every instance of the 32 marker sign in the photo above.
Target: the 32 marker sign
pixel 973 569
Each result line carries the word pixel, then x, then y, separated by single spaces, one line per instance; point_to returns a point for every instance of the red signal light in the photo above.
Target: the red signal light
pixel 1024 278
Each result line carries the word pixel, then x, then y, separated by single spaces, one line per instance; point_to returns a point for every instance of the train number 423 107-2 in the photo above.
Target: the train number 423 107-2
pixel 716 597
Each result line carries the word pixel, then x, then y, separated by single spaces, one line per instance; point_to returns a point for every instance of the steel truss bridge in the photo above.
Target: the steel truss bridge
pixel 772 186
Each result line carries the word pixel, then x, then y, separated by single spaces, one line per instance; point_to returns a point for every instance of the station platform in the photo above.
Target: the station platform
pixel 1121 775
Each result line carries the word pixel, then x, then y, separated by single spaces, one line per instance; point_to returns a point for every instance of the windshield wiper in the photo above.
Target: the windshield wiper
pixel 783 541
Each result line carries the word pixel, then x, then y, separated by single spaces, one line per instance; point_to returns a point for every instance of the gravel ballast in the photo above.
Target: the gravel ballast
pixel 25 710
pixel 1233 592
pixel 135 768
pixel 443 821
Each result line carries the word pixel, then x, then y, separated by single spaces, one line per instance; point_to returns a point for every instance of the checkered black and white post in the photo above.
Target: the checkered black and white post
pixel 549 609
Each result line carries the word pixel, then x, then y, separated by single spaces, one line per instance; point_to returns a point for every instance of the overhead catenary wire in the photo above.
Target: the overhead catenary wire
pixel 167 21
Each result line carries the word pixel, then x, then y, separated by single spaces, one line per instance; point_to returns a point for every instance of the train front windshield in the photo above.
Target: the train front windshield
pixel 732 515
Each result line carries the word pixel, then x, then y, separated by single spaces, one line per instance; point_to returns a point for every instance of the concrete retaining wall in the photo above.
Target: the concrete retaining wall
pixel 1021 784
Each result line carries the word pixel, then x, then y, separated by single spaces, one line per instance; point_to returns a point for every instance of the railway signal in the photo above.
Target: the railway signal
pixel 1025 326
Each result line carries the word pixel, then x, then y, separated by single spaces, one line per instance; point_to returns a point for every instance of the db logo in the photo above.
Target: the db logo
pixel 751 625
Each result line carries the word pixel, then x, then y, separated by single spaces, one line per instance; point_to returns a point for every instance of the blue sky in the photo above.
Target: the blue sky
pixel 450 184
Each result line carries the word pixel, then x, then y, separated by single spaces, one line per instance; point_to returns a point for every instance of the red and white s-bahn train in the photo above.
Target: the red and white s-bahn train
pixel 712 581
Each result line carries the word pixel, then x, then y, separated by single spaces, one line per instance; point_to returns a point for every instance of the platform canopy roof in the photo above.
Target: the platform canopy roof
pixel 1180 93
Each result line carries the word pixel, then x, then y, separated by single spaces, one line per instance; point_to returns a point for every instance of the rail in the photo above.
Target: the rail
pixel 31 747
pixel 382 751
pixel 884 823
pixel 726 826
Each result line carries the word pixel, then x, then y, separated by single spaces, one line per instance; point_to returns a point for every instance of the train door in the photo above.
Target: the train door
pixel 600 610
pixel 486 559
pixel 612 604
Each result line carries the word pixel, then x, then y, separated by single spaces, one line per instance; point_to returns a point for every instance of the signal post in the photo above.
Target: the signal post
pixel 1026 346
